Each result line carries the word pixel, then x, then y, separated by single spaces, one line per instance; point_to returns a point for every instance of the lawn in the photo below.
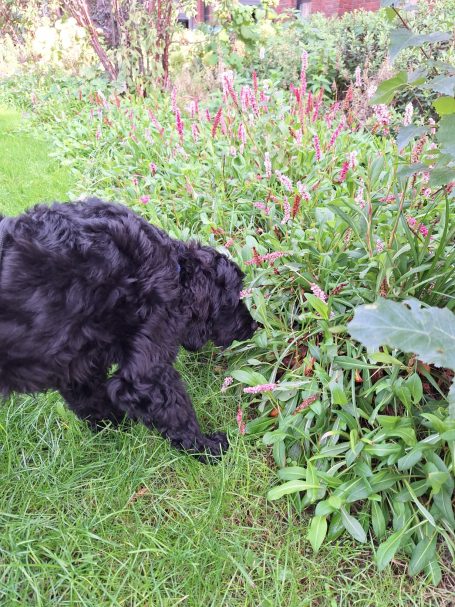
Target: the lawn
pixel 119 518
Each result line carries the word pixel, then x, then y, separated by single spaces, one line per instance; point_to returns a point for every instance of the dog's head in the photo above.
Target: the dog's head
pixel 212 285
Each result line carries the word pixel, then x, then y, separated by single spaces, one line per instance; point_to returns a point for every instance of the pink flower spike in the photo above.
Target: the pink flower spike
pixel 303 191
pixel 228 86
pixel 153 168
pixel 246 293
pixel 262 207
pixel 242 133
pixel 336 132
pixel 358 77
pixel 267 165
pixel 352 159
pixel 145 199
pixel 179 124
pixel 408 112
pixel 318 292
pixel 382 114
pixel 216 121
pixel 240 423
pixel 195 131
pixel 359 199
pixel 255 82
pixel 379 245
pixel 174 99
pixel 98 134
pixel 317 147
pixel 287 211
pixel 260 389
pixel 423 230
pixel 343 172
pixel 285 181
pixel 271 257
pixel 229 243
pixel 226 383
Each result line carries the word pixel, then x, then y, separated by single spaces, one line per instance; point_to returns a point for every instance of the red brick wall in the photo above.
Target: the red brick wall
pixel 328 7
pixel 350 5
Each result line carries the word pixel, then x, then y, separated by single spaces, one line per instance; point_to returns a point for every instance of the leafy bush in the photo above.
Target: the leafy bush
pixel 316 206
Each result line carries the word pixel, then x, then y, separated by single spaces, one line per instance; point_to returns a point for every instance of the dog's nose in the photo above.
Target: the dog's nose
pixel 254 326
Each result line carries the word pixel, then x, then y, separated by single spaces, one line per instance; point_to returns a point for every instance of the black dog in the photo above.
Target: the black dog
pixel 89 285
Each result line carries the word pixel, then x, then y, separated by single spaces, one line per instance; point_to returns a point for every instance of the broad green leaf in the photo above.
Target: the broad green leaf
pixel 382 357
pixel 422 555
pixel 292 473
pixel 441 175
pixel 336 527
pixel 353 527
pixel 441 84
pixel 387 550
pixel 414 384
pixel 290 487
pixel 427 332
pixel 312 479
pixel 252 378
pixel 317 531
pixel 378 519
pixel 388 88
pixel 443 502
pixel 407 170
pixel 409 460
pixel 408 133
pixel 317 304
pixel 444 105
pixel 446 134
pixel 433 570
pixel 402 38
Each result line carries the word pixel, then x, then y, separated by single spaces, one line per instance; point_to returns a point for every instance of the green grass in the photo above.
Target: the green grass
pixel 27 175
pixel 119 518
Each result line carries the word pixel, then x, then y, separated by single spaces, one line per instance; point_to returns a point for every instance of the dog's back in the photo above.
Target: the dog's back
pixel 71 275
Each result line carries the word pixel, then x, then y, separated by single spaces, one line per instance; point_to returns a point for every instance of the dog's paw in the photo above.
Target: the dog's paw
pixel 214 446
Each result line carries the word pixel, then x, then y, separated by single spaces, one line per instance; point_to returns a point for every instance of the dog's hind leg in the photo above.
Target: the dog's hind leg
pixel 160 401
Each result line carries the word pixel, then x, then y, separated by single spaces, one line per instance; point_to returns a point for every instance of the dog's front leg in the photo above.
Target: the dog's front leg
pixel 158 398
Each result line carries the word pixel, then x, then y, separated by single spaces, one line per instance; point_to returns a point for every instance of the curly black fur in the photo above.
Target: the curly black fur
pixel 88 285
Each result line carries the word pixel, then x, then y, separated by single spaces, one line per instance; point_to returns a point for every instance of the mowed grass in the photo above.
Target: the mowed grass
pixel 119 518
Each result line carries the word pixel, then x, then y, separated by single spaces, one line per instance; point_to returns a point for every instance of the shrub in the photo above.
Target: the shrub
pixel 317 208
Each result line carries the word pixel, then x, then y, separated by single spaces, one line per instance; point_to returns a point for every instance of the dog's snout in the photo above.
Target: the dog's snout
pixel 254 326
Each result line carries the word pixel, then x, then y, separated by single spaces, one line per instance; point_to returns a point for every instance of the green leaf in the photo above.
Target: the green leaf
pixel 290 487
pixel 387 550
pixel 336 527
pixel 378 519
pixel 402 38
pixel 443 502
pixel 252 378
pixel 422 555
pixel 317 531
pixel 433 570
pixel 408 133
pixel 382 357
pixel 441 175
pixel 427 332
pixel 446 134
pixel 388 88
pixel 414 384
pixel 353 527
pixel 444 105
pixel 292 473
pixel 441 84
pixel 409 460
pixel 317 304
